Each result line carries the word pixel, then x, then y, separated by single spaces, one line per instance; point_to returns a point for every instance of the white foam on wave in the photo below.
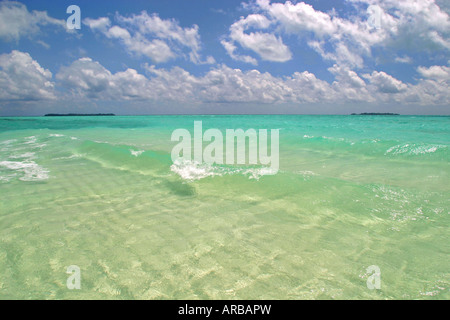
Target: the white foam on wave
pixel 137 153
pixel 17 161
pixel 27 155
pixel 56 135
pixel 191 170
pixel 7 142
pixel 74 156
pixel 7 178
pixel 257 173
pixel 306 173
pixel 413 149
pixel 33 143
pixel 324 137
pixel 30 169
pixel 30 140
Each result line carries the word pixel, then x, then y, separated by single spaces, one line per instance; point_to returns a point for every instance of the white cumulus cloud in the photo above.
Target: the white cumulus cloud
pixel 389 25
pixel 385 83
pixel 88 78
pixel 22 78
pixel 16 21
pixel 159 39
pixel 267 45
pixel 435 72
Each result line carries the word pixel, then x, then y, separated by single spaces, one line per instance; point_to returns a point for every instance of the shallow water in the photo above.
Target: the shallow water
pixel 102 193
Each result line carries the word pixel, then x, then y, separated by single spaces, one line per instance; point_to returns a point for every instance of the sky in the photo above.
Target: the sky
pixel 225 57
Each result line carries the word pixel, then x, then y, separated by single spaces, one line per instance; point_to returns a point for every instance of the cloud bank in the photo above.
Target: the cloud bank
pixel 414 34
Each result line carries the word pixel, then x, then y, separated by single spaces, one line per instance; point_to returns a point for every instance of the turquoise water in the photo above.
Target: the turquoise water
pixel 103 194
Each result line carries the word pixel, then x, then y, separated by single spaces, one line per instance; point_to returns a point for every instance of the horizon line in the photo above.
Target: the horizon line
pixel 226 114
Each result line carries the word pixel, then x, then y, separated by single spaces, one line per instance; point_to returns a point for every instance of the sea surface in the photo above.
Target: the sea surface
pixel 103 194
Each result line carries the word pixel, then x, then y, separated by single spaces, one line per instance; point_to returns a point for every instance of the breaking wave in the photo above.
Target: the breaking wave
pixel 414 149
pixel 18 160
pixel 192 170
pixel 28 170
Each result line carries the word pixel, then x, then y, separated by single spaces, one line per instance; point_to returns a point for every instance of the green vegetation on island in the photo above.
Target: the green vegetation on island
pixel 375 114
pixel 79 114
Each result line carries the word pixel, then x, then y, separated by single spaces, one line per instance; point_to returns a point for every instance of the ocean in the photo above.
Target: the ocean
pixel 352 194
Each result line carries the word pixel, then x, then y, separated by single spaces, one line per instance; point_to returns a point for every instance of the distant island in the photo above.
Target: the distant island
pixel 375 114
pixel 79 114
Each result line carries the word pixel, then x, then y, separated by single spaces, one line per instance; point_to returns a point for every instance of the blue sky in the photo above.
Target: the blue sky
pixel 211 56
